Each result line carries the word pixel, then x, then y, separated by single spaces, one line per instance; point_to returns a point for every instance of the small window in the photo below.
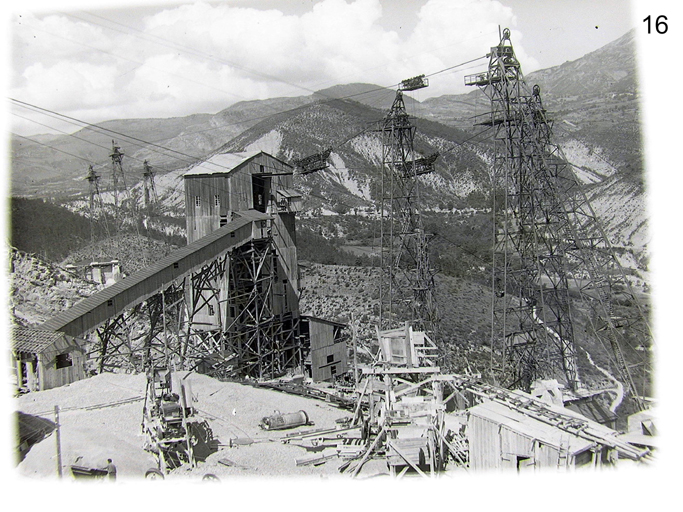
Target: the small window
pixel 197 201
pixel 217 201
pixel 63 361
pixel 212 311
pixel 175 264
pixel 333 369
pixel 262 168
pixel 224 220
pixel 330 358
pixel 110 302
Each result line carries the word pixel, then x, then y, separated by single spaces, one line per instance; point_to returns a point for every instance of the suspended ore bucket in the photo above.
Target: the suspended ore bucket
pixel 280 421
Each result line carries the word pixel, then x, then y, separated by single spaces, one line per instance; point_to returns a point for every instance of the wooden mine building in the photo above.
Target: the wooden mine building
pixel 253 305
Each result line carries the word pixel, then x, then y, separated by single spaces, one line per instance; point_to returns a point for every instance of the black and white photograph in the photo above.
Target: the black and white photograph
pixel 359 242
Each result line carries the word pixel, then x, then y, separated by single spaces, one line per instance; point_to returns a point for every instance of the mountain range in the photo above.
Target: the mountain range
pixel 594 102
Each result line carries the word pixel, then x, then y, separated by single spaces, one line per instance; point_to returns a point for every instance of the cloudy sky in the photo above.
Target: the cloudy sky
pixel 93 62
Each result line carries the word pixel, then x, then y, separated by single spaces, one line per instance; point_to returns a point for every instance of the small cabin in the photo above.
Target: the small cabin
pixel 501 437
pixel 328 349
pixel 45 359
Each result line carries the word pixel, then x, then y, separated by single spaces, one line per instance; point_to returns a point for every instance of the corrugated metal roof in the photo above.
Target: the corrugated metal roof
pixel 26 339
pixel 83 307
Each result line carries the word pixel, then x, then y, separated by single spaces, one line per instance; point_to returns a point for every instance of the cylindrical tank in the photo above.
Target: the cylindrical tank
pixel 280 421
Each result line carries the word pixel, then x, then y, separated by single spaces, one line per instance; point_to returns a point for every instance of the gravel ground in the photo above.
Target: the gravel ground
pixel 233 411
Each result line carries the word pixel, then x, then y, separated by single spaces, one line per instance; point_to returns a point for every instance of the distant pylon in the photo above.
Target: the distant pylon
pixel 95 203
pixel 407 287
pixel 149 188
pixel 117 172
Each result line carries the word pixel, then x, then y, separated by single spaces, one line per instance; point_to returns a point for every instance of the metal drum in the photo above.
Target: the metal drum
pixel 280 421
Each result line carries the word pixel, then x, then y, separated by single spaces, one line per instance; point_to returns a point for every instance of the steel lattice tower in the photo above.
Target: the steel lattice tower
pixel 407 286
pixel 95 199
pixel 117 172
pixel 150 191
pixel 550 249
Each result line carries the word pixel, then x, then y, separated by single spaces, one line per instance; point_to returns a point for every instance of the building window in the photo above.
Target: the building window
pixel 333 370
pixel 197 201
pixel 217 201
pixel 63 361
pixel 330 358
pixel 212 311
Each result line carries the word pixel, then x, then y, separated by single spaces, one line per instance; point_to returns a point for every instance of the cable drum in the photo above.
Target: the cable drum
pixel 280 421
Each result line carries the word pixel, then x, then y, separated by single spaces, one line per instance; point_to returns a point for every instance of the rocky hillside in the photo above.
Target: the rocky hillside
pixel 39 290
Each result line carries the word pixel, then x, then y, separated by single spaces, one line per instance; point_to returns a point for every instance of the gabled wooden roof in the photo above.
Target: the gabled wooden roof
pixel 26 339
pixel 226 163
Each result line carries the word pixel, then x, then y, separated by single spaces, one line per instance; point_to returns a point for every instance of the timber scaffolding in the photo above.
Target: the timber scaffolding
pixel 174 311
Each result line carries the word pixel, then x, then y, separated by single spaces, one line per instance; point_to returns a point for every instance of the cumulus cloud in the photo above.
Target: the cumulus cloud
pixel 203 57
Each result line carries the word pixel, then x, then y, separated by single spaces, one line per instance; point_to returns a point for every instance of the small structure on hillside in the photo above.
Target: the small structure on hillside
pixel 106 272
pixel 45 359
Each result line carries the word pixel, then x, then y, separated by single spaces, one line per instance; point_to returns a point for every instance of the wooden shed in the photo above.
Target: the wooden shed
pixel 328 349
pixel 501 437
pixel 45 359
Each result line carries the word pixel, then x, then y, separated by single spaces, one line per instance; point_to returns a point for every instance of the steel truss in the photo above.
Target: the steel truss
pixel 550 248
pixel 167 330
pixel 407 287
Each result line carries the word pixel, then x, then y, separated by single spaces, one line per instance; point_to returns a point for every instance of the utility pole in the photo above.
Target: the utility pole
pixel 58 440
pixel 354 333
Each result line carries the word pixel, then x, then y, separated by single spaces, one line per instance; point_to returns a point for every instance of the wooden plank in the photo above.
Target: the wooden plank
pixel 317 458
pixel 398 371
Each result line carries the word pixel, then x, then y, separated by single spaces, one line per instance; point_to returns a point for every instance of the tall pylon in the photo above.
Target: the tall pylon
pixel 552 259
pixel 407 287
pixel 150 191
pixel 96 206
pixel 118 178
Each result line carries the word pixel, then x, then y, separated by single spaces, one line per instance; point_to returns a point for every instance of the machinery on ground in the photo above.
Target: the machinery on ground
pixel 175 433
